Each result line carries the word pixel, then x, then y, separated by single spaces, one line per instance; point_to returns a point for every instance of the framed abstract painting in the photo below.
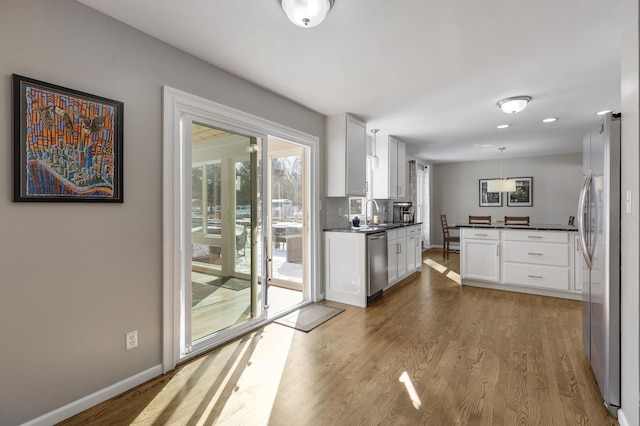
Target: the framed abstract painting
pixel 67 144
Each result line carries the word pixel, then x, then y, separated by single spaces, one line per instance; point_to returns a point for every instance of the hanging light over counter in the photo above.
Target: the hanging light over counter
pixel 501 185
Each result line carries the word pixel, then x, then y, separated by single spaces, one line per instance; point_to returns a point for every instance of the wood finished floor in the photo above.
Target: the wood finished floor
pixel 429 352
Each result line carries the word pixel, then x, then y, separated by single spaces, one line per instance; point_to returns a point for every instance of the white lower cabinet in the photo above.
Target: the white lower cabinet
pixel 522 260
pixel 345 267
pixel 578 264
pixel 480 254
pixel 404 251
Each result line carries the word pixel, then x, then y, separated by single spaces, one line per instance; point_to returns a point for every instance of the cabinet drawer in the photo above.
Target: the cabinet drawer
pixel 481 234
pixel 551 277
pixel 537 253
pixel 537 236
pixel 411 230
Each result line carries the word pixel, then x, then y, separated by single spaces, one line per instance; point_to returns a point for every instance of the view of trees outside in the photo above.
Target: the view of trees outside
pixel 286 180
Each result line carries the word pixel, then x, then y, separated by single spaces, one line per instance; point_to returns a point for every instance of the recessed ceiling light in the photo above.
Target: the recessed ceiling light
pixel 603 112
pixel 503 126
pixel 483 145
pixel 549 120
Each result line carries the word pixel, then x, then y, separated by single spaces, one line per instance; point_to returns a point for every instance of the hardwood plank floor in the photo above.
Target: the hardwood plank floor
pixel 429 352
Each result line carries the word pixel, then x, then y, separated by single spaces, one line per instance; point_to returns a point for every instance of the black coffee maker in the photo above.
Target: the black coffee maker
pixel 403 212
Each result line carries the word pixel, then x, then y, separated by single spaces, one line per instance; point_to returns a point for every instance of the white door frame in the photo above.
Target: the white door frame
pixel 176 102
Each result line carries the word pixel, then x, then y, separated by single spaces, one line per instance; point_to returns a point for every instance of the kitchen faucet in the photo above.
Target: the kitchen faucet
pixel 365 209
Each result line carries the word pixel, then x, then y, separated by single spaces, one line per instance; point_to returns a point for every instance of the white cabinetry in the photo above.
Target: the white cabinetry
pixel 529 261
pixel 578 264
pixel 397 254
pixel 537 259
pixel 414 249
pixel 346 156
pixel 345 267
pixel 480 254
pixel 389 178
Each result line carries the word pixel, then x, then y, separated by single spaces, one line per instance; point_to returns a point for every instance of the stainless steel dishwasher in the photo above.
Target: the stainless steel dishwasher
pixel 377 264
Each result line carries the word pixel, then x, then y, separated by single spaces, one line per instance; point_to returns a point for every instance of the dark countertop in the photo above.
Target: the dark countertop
pixel 372 229
pixel 530 227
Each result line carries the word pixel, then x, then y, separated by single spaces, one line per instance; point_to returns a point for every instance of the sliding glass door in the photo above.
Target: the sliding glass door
pixel 222 291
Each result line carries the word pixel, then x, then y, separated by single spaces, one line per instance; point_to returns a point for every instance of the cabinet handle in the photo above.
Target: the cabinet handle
pixel 497 250
pixel 366 187
pixel 534 236
pixel 481 235
pixel 535 276
pixel 535 254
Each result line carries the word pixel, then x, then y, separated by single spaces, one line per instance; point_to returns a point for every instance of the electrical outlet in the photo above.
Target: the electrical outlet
pixel 131 339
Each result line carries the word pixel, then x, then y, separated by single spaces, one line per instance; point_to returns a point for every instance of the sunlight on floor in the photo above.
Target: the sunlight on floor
pixel 248 374
pixel 435 265
pixel 415 399
pixel 452 275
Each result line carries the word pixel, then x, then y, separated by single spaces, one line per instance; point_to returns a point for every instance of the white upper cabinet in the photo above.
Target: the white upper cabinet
pixel 346 156
pixel 389 178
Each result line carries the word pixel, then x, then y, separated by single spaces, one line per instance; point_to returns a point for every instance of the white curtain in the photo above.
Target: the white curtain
pixel 419 192
pixel 423 203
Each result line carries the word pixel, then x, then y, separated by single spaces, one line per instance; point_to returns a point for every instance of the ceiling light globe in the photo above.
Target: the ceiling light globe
pixel 513 105
pixel 306 13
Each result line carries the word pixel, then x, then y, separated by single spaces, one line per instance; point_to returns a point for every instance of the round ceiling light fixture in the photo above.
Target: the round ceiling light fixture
pixel 514 104
pixel 306 13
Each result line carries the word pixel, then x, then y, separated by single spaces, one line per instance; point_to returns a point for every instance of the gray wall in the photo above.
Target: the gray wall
pixel 76 277
pixel 630 231
pixel 556 183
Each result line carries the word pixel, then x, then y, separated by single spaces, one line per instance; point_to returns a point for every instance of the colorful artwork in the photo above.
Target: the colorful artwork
pixel 68 144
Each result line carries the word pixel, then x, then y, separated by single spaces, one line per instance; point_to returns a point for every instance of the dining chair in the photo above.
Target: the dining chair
pixel 447 237
pixel 480 220
pixel 571 220
pixel 516 220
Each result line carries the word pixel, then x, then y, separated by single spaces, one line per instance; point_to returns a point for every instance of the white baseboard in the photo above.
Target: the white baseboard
pixel 95 398
pixel 451 246
pixel 622 419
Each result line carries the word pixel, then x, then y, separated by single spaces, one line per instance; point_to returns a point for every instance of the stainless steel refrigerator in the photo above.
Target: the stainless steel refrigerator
pixel 599 230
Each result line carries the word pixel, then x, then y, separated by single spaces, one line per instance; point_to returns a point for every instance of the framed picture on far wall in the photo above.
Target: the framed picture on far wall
pixel 489 199
pixel 67 145
pixel 523 195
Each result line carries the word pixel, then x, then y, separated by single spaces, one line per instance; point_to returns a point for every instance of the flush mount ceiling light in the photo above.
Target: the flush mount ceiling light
pixel 513 105
pixel 501 185
pixel 306 13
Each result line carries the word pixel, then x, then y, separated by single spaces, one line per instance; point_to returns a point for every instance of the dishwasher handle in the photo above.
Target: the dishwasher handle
pixel 378 237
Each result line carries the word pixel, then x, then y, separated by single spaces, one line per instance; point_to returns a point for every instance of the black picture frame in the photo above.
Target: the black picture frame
pixel 67 144
pixel 523 195
pixel 488 199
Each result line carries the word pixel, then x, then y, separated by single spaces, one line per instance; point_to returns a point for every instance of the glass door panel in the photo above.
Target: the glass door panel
pixel 222 284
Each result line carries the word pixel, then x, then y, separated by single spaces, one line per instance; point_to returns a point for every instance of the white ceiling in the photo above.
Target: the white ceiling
pixel 429 72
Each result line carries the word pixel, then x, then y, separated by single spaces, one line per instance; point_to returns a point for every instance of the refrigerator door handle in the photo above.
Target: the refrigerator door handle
pixel 586 185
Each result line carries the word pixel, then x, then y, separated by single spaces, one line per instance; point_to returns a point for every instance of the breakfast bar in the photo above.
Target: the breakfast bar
pixel 539 259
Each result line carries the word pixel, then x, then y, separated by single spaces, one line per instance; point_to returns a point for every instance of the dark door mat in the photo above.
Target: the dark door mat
pixel 309 317
pixel 231 283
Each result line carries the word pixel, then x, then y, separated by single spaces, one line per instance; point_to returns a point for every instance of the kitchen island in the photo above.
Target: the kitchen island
pixel 541 259
pixel 348 261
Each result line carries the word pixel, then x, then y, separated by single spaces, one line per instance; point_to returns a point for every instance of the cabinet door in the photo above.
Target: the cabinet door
pixel 578 262
pixel 418 249
pixel 481 260
pixel 402 257
pixel 356 157
pixel 392 252
pixel 411 254
pixel 393 167
pixel 401 165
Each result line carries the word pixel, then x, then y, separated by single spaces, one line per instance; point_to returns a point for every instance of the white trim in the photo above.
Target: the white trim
pixel 622 419
pixel 95 398
pixel 174 103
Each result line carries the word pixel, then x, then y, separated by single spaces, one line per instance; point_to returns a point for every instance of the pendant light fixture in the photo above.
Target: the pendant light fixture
pixel 501 185
pixel 375 161
pixel 514 104
pixel 306 13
